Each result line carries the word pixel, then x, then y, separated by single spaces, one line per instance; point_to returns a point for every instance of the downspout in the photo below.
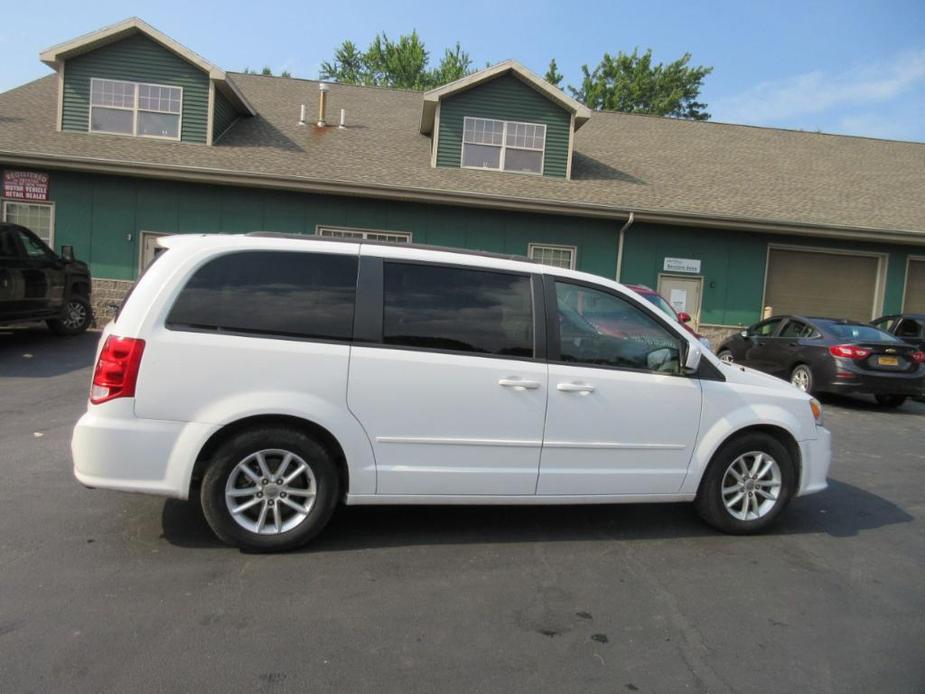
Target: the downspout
pixel 629 223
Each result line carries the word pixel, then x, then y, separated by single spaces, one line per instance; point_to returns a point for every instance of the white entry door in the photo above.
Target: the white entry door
pixel 684 294
pixel 454 403
pixel 621 419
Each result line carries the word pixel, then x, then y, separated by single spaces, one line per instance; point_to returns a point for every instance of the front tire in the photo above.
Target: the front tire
pixel 75 318
pixel 750 480
pixel 890 401
pixel 270 490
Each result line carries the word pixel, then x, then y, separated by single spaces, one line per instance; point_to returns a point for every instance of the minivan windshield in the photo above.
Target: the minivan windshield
pixel 660 302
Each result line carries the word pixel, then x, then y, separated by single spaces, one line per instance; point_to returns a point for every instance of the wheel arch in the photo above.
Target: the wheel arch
pixel 319 433
pixel 779 433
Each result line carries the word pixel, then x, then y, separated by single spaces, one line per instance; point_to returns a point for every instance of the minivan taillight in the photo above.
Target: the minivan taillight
pixel 849 351
pixel 117 369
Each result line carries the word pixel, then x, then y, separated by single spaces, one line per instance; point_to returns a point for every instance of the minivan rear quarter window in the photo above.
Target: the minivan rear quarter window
pixel 457 309
pixel 284 294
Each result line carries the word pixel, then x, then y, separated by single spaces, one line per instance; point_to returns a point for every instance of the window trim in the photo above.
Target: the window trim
pixel 136 110
pixel 554 246
pixel 4 202
pixel 504 146
pixel 706 371
pixel 406 235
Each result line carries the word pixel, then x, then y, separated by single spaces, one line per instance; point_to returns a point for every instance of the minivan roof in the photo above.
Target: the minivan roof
pixel 392 244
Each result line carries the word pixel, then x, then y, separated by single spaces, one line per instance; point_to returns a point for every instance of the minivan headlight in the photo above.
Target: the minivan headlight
pixel 816 407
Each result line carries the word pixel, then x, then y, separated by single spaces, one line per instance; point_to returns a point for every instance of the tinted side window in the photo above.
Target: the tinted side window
pixel 600 329
pixel 445 307
pixel 8 247
pixel 910 328
pixel 797 329
pixel 271 293
pixel 765 329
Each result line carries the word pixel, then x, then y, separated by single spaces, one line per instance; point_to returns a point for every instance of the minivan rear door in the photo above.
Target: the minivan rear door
pixel 448 377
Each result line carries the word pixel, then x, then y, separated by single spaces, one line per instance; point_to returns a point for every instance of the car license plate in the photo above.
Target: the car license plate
pixel 888 361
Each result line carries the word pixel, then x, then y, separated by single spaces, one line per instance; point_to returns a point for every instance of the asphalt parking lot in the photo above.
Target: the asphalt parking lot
pixel 101 591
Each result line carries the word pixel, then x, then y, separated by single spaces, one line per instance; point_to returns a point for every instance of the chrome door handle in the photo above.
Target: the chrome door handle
pixel 575 388
pixel 518 384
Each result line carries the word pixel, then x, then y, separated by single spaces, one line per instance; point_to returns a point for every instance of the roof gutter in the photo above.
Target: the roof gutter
pixel 334 187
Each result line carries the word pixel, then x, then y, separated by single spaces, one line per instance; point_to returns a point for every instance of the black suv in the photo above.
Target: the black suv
pixel 38 284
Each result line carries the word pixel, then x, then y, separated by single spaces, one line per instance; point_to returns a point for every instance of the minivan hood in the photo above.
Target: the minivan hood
pixel 736 373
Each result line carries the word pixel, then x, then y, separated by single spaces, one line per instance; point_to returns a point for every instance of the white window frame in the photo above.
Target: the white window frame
pixel 573 251
pixel 363 234
pixel 504 146
pixel 136 109
pixel 51 231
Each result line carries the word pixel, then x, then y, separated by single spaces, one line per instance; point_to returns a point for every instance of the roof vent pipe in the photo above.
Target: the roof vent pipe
pixel 302 115
pixel 322 104
pixel 343 119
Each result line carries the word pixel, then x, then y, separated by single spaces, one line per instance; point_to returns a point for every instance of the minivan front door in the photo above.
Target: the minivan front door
pixel 621 417
pixel 452 400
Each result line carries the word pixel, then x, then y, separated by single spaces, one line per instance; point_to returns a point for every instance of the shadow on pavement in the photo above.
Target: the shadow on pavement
pixel 841 511
pixel 39 353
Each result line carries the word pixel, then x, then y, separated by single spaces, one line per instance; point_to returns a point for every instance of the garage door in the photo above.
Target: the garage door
pixel 821 284
pixel 915 287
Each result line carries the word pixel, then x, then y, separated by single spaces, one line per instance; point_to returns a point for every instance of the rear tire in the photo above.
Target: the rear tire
pixel 75 318
pixel 766 470
pixel 726 356
pixel 270 490
pixel 802 378
pixel 890 401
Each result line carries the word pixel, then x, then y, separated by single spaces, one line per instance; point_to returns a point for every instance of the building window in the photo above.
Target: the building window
pixel 133 108
pixel 39 219
pixel 503 145
pixel 557 256
pixel 365 234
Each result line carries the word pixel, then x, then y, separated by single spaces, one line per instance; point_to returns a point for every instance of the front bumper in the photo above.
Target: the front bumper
pixel 113 449
pixel 816 456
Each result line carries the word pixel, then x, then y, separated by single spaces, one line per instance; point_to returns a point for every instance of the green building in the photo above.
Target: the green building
pixel 135 136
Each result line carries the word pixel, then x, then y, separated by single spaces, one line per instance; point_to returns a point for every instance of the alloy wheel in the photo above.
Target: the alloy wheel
pixel 726 356
pixel 751 486
pixel 75 315
pixel 270 492
pixel 801 378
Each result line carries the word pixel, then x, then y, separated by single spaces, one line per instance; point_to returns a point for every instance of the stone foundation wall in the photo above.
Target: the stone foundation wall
pixel 717 333
pixel 106 296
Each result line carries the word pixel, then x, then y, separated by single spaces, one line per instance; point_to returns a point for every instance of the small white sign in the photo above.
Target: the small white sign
pixel 682 265
pixel 678 300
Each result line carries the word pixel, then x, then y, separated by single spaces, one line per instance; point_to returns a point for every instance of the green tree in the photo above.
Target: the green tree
pixel 402 64
pixel 632 84
pixel 553 76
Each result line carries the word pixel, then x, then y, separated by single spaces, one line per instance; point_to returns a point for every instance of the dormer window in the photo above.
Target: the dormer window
pixel 503 145
pixel 135 108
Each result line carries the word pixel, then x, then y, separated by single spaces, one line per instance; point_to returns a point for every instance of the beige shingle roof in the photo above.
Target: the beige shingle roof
pixel 622 162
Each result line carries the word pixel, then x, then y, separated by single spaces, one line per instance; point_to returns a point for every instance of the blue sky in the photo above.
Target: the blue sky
pixel 847 67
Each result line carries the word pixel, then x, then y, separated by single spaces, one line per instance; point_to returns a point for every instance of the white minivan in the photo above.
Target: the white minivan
pixel 278 376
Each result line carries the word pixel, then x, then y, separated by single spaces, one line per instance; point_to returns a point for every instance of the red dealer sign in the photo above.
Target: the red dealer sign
pixel 25 185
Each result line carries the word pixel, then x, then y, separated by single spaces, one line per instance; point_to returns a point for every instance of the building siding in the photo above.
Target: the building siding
pixel 505 98
pixel 103 216
pixel 136 59
pixel 224 115
pixel 733 265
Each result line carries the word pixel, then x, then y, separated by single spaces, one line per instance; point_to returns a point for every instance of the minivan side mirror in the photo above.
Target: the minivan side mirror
pixel 684 317
pixel 692 358
pixel 67 254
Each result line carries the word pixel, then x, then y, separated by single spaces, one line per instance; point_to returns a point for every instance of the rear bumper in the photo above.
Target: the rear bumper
pixel 113 449
pixel 893 384
pixel 816 456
